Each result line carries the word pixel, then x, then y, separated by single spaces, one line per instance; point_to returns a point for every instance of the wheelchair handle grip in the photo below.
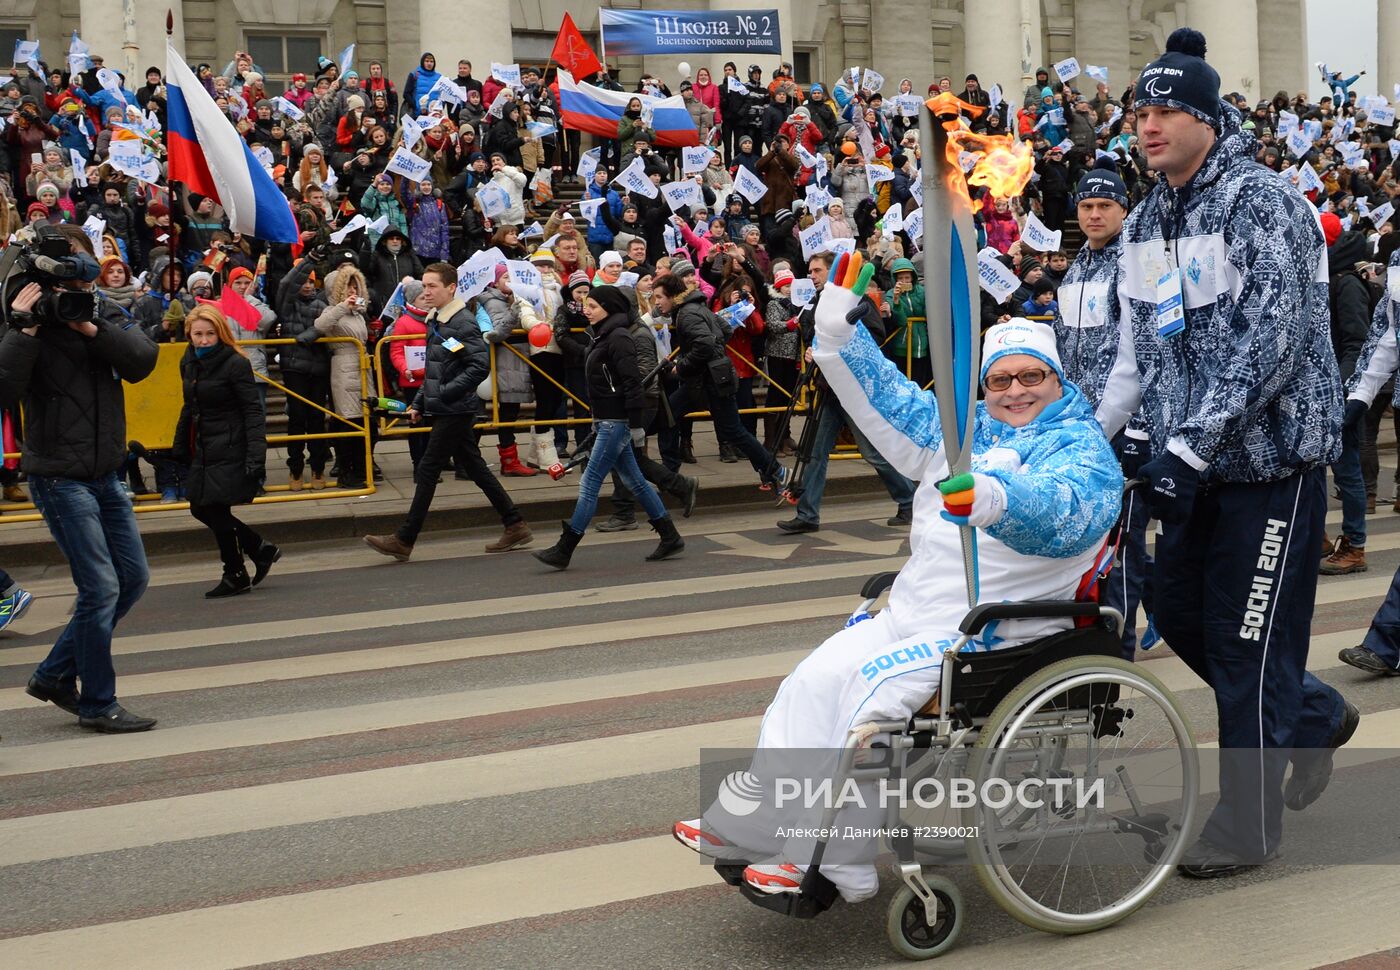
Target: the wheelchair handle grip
pixel 877 584
pixel 979 616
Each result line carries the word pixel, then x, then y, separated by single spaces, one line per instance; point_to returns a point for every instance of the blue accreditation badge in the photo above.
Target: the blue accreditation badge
pixel 1171 317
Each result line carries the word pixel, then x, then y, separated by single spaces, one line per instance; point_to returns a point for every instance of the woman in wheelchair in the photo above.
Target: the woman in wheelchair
pixel 1044 491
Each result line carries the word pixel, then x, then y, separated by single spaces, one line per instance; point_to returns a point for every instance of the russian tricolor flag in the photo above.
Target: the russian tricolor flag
pixel 597 110
pixel 207 153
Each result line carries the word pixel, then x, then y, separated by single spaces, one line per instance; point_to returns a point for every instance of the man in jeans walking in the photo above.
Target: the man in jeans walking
pixel 458 361
pixel 69 378
pixel 1350 302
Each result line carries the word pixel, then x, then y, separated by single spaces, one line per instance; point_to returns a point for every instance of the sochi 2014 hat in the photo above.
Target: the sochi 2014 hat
pixel 1181 78
pixel 1021 336
pixel 1102 182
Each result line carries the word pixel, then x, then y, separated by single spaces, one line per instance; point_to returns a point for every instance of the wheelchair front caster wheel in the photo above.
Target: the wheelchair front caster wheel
pixel 907 921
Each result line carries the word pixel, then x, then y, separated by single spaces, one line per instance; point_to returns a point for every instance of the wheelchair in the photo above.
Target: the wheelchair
pixel 1065 711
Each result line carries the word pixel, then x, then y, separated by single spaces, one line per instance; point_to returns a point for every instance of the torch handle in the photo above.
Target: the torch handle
pixel 942 249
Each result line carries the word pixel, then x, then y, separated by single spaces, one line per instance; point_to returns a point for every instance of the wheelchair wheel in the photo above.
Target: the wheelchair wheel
pixel 907 921
pixel 1109 819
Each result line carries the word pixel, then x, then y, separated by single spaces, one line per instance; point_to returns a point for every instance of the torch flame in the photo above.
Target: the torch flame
pixel 1005 168
pixel 1004 164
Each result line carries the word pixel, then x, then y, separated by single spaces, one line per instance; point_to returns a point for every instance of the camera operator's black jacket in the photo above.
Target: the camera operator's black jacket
pixel 71 389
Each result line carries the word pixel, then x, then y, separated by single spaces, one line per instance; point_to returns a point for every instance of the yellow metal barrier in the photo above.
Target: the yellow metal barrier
pixel 153 408
pixel 394 427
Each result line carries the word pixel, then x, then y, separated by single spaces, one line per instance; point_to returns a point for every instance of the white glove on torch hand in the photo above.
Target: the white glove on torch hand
pixel 974 499
pixel 833 331
pixel 849 277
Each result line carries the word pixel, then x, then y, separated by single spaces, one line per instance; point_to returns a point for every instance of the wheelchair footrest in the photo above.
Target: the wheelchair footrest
pixel 1152 828
pixel 817 896
pixel 730 871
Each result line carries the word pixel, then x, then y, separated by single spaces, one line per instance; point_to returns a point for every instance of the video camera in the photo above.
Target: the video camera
pixel 50 262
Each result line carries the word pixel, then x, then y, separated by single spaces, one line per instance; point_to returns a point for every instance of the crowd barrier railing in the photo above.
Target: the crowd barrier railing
pixel 153 407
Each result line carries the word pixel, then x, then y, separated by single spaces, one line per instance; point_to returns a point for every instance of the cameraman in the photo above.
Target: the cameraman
pixel 69 378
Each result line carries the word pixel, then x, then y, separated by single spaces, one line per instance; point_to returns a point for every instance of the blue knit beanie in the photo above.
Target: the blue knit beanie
pixel 1181 79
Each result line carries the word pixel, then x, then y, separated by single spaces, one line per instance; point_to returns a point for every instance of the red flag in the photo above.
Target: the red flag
pixel 572 53
pixel 237 309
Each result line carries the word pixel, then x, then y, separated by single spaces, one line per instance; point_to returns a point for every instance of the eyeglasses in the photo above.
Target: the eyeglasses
pixel 1031 377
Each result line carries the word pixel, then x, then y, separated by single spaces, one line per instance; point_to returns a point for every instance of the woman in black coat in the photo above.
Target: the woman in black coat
pixel 222 438
pixel 618 400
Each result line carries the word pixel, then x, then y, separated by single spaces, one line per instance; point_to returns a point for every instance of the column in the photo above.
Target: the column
pixel 1101 38
pixel 150 37
pixel 902 39
pixel 990 50
pixel 1032 44
pixel 130 37
pixel 102 27
pixel 1232 41
pixel 1282 54
pixel 479 30
pixel 1388 40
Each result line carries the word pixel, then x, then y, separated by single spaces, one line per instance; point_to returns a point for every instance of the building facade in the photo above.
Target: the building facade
pixel 1259 46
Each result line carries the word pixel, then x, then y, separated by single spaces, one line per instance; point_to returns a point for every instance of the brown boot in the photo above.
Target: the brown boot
pixel 13 493
pixel 295 484
pixel 318 481
pixel 1329 545
pixel 390 545
pixel 516 536
pixel 1370 505
pixel 1346 559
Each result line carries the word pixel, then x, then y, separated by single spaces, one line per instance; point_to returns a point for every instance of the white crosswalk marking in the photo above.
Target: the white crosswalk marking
pixel 346 789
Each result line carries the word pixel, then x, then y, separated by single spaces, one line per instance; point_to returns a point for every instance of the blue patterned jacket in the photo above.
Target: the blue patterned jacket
pixel 1062 482
pixel 1250 392
pixel 1086 324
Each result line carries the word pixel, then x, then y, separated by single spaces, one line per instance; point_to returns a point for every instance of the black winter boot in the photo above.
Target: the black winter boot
pixel 671 541
pixel 559 554
pixel 235 575
pixel 263 558
pixel 233 583
pixel 686 489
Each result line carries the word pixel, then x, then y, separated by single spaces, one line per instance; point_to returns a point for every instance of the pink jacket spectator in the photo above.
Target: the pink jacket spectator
pixel 1002 230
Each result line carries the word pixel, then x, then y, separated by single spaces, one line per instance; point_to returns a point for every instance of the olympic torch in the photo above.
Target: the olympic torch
pixel 1002 165
pixel 950 285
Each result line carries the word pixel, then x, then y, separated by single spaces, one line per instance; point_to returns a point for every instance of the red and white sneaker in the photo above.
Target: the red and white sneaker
pixel 692 835
pixel 766 878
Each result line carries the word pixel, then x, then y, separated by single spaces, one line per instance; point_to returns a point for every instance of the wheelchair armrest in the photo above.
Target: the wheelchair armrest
pixel 979 616
pixel 877 584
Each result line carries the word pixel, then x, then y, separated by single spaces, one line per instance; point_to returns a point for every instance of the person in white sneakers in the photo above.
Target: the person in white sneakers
pixel 1044 490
